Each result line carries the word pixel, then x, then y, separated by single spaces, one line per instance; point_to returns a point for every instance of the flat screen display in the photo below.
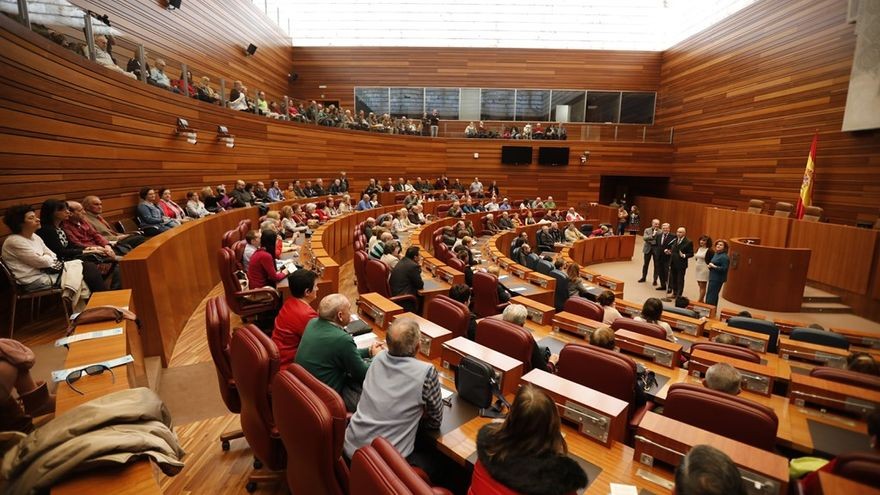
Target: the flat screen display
pixel 516 155
pixel 553 156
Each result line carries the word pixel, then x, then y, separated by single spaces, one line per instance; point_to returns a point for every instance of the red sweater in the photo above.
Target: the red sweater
pixel 261 270
pixel 289 327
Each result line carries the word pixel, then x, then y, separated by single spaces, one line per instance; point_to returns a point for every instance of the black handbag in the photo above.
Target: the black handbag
pixel 476 383
pixel 645 378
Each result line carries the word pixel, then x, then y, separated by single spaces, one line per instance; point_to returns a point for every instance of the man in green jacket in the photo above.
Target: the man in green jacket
pixel 329 353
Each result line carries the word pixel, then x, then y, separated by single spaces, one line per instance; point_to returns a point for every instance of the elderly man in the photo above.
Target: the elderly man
pixel 93 208
pixel 158 76
pixel 364 203
pixel 103 58
pixel 680 251
pixel 541 357
pixel 329 353
pixel 318 187
pixel 81 232
pixel 649 236
pixel 400 393
pixel 706 470
pixel 724 378
pixel 549 203
pixel 240 196
pixel 476 188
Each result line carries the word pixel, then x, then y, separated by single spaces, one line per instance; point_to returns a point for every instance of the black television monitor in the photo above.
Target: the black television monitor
pixel 553 156
pixel 516 155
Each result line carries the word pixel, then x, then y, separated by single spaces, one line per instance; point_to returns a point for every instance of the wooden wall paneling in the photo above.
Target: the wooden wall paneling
pixel 843 256
pixel 727 224
pixel 171 274
pixel 677 213
pixel 766 277
pixel 340 69
pixel 745 97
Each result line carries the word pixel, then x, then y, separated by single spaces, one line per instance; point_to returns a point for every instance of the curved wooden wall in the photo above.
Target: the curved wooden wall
pixel 766 277
pixel 745 97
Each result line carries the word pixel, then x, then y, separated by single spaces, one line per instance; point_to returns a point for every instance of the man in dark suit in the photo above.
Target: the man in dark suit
pixel 680 251
pixel 648 249
pixel 662 241
pixel 406 277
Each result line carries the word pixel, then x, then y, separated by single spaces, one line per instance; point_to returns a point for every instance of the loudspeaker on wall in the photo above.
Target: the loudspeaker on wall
pixel 251 49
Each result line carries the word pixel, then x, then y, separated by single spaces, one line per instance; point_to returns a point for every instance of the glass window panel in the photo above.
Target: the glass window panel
pixel 602 106
pixel 573 99
pixel 533 104
pixel 496 104
pixel 470 104
pixel 407 102
pixel 371 100
pixel 637 108
pixel 445 100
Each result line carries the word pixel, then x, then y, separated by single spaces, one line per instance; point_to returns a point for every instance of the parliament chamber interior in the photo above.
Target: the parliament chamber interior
pixel 404 248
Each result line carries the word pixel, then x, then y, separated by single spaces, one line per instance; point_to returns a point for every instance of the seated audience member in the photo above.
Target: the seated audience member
pixel 724 378
pixel 491 227
pixel 572 234
pixel 98 261
pixel 298 191
pixel 205 92
pixel 275 193
pixel 391 254
pixel 194 207
pixel 318 187
pixel 329 353
pixel 521 255
pixel 345 204
pixel 330 209
pixel 364 203
pixel 290 225
pixel 448 236
pixel 32 397
pixel 725 338
pixel 241 196
pixel 530 219
pixel 454 210
pixel 35 267
pixel 406 277
pixel 378 248
pixel 549 203
pixel 252 238
pixel 468 271
pixel 169 208
pixel 652 309
pixel 492 204
pixel 212 201
pixel 335 187
pixel 555 233
pixel 93 208
pixel 862 362
pixel 504 294
pixel 706 470
pixel 606 299
pixel 295 314
pixel 505 205
pixel 526 453
pixel 515 220
pixel 313 213
pixel 149 213
pixel 505 222
pixel 401 394
pixel 518 241
pixel 401 223
pixel 79 232
pixel 261 195
pixel 262 271
pixel 541 357
pixel 417 216
pixel 544 239
pixel 238 98
pixel 103 58
pixel 573 216
pixel 603 337
pixel 577 286
pixel 158 76
pixel 462 294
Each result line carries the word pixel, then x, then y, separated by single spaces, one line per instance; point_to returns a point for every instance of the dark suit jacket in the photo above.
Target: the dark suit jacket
pixel 660 246
pixel 406 278
pixel 686 248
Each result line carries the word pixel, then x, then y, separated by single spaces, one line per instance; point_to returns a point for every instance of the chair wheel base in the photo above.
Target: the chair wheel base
pixel 224 445
pixel 257 464
pixel 251 487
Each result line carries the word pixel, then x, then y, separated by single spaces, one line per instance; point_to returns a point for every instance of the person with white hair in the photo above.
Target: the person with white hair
pixel 542 359
pixel 723 377
pixel 329 353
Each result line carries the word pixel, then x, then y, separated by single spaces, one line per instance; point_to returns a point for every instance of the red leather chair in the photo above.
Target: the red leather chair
pixel 847 377
pixel 456 264
pixel 724 414
pixel 219 336
pixel 609 372
pixel 312 421
pixel 729 350
pixel 863 467
pixel 231 237
pixel 449 314
pixel 644 328
pixel 360 271
pixel 584 307
pixel 243 227
pixel 485 295
pixel 443 253
pixel 255 362
pixel 358 245
pixel 377 274
pixel 507 338
pixel 378 469
pixel 244 303
pixel 238 249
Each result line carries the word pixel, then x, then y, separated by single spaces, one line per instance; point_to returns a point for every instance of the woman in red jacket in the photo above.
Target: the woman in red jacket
pixel 261 268
pixel 526 454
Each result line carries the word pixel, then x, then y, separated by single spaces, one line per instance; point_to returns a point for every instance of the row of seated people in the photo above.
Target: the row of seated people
pixel 528 131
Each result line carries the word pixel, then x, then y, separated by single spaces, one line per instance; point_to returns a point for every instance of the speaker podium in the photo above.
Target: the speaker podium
pixel 766 277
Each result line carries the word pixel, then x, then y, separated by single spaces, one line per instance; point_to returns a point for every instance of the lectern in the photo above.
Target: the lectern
pixel 766 277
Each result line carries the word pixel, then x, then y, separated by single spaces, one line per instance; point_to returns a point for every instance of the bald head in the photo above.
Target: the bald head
pixel 403 337
pixel 93 204
pixel 335 308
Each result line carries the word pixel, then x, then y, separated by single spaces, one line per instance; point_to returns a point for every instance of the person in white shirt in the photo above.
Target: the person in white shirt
pixel 492 205
pixel 573 216
pixel 157 74
pixel 103 58
pixel 476 187
pixel 606 300
pixel 253 245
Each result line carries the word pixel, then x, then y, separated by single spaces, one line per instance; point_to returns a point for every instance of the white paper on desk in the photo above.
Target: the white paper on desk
pixel 502 277
pixel 445 393
pixel 365 340
pixel 518 289
pixel 620 489
pixel 88 336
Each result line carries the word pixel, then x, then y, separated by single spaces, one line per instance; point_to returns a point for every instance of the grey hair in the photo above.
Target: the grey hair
pixel 515 313
pixel 403 337
pixel 724 378
pixel 330 306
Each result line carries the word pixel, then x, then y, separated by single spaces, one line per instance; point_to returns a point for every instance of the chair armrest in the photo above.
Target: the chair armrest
pixel 260 295
pixel 639 414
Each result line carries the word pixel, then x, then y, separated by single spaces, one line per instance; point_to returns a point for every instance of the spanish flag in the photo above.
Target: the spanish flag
pixel 806 198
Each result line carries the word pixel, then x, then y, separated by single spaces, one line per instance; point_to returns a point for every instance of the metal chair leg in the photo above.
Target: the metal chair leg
pixel 12 317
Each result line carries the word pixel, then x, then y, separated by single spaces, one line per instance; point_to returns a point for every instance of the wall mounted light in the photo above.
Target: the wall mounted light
pixel 224 137
pixel 184 130
pixel 585 156
pixel 476 156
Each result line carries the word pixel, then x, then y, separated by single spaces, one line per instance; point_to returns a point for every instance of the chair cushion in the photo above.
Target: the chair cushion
pixel 485 295
pixel 820 337
pixel 761 326
pixel 507 338
pixel 449 314
pixel 584 307
pixel 644 328
pixel 847 377
pixel 607 371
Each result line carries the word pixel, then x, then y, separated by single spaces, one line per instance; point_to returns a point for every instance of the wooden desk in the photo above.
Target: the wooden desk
pixel 575 324
pixel 660 351
pixel 507 369
pixel 433 335
pixel 433 287
pixel 755 341
pixel 539 313
pixel 684 324
pixel 832 484
pixel 136 478
pixel 541 280
pixel 833 395
pixel 543 296
pixel 821 354
pixel 377 308
pixel 859 337
pixel 450 275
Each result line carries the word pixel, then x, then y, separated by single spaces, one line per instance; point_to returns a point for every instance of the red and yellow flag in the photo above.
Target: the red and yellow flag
pixel 806 197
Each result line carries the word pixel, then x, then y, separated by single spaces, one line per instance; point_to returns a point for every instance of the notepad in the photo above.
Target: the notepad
pixel 365 340
pixel 445 393
pixel 518 289
pixel 620 489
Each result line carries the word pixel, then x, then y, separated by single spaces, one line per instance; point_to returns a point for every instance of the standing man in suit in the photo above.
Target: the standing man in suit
pixel 662 242
pixel 648 249
pixel 680 251
pixel 406 277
